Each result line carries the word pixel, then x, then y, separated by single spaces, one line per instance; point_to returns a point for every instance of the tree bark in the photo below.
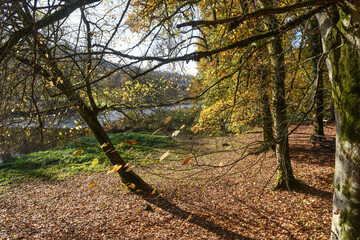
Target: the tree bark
pixel 128 177
pixel 267 121
pixel 344 73
pixel 317 73
pixel 285 179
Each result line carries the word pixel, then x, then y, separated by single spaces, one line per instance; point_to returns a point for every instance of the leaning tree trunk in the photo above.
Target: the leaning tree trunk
pixel 128 177
pixel 285 178
pixel 317 73
pixel 344 73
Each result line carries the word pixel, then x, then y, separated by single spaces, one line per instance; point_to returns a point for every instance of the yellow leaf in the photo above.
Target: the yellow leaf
pixel 186 160
pixel 114 168
pixel 91 184
pixel 182 126
pixel 165 155
pixel 146 158
pixel 120 144
pixel 167 120
pixel 131 142
pixel 153 192
pixel 95 162
pixel 196 131
pixel 77 153
pixel 104 145
pixel 221 163
pixel 175 133
pixel 132 186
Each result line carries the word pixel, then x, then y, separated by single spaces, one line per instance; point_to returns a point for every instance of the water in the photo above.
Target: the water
pixel 23 137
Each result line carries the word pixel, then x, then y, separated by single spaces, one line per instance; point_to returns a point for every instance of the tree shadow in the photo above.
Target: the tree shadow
pixel 169 207
pixel 301 154
pixel 309 190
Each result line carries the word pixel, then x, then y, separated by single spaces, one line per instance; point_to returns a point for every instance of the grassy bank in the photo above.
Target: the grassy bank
pixel 59 163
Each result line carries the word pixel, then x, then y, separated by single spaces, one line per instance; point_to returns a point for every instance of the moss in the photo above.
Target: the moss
pixel 346 191
pixel 348 218
pixel 346 87
pixel 337 187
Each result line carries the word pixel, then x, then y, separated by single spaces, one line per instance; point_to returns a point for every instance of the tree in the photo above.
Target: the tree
pixel 339 31
pixel 286 178
pixel 317 73
pixel 68 68
pixel 340 38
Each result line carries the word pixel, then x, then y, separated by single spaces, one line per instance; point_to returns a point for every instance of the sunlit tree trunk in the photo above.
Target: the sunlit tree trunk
pixel 285 178
pixel 344 73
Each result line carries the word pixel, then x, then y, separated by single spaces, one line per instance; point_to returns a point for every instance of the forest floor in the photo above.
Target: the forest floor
pixel 217 195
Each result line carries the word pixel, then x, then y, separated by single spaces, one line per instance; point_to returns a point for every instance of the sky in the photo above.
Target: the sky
pixel 125 39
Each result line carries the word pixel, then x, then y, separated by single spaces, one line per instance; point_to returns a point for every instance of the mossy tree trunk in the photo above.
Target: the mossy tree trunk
pixel 267 121
pixel 285 179
pixel 317 73
pixel 344 73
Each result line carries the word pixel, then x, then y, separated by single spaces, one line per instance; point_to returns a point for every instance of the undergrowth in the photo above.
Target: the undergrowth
pixel 59 163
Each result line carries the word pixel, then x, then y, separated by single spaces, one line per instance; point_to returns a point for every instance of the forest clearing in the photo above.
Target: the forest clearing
pixel 196 119
pixel 240 205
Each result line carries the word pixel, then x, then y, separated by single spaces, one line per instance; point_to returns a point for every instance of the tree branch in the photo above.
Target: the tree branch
pixel 63 12
pixel 235 21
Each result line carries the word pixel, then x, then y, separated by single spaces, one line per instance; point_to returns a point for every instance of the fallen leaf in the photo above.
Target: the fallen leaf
pixel 95 162
pixel 130 149
pixel 91 184
pixel 77 153
pixel 175 133
pixel 202 188
pixel 167 120
pixel 132 186
pixel 165 155
pixel 104 145
pixel 114 168
pixel 120 144
pixel 131 142
pixel 186 161
pixel 128 164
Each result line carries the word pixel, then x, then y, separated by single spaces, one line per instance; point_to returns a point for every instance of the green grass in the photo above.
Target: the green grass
pixel 59 163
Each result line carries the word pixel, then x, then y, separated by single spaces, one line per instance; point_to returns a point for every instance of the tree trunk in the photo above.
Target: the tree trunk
pixel 285 178
pixel 127 177
pixel 267 121
pixel 90 117
pixel 344 73
pixel 317 73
